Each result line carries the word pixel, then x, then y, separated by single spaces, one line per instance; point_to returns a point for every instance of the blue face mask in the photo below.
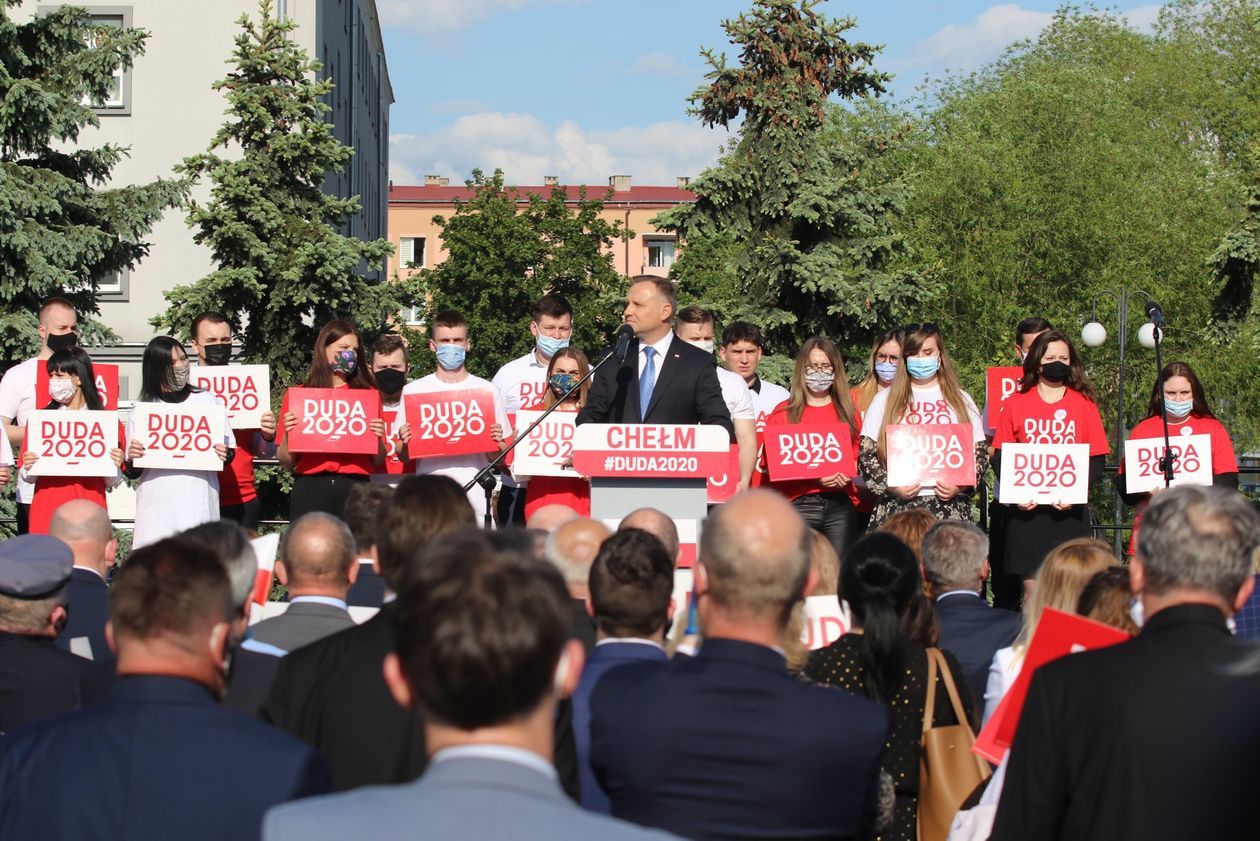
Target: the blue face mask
pixel 923 367
pixel 345 362
pixel 548 346
pixel 1178 408
pixel 450 357
pixel 885 371
pixel 561 383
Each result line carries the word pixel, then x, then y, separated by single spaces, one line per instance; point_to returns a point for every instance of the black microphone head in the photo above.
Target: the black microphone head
pixel 624 335
pixel 1153 313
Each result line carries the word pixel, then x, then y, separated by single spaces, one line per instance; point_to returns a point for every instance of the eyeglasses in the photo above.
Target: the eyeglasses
pixel 819 369
pixel 887 357
pixel 927 328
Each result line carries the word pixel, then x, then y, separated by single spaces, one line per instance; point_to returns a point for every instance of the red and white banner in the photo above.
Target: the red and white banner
pixel 244 390
pixel 809 451
pixel 1143 473
pixel 1046 474
pixel 930 455
pixel 72 443
pixel 179 437
pixel 450 423
pixel 394 466
pixel 550 444
pixel 334 420
pixel 1000 384
pixel 826 620
pixel 106 384
pixel 650 450
pixel 721 486
pixel 265 548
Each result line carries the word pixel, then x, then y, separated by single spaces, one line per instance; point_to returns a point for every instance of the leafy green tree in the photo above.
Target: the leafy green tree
pixel 60 230
pixel 505 251
pixel 283 268
pixel 795 228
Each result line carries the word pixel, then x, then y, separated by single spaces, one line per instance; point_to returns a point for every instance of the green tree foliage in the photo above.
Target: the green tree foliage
pixel 60 231
pixel 283 268
pixel 795 227
pixel 505 251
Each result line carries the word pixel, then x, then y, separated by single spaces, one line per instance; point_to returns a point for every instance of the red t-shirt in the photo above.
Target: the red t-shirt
pixel 309 464
pixel 796 488
pixel 1028 419
pixel 236 481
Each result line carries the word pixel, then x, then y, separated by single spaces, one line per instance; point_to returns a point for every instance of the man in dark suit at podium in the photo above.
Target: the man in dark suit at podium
pixel 662 378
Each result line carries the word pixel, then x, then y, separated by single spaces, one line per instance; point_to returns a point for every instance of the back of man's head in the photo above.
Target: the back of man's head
pixel 953 555
pixel 572 547
pixel 318 553
pixel 631 582
pixel 228 541
pixel 1199 539
pixel 479 639
pixel 755 554
pixel 363 511
pixel 173 591
pixel 422 509
pixel 84 526
pixel 656 523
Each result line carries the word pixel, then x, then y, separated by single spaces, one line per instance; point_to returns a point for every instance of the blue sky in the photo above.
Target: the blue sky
pixel 584 89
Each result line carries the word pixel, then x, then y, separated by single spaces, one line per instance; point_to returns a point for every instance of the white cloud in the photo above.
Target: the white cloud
pixel 434 16
pixel 962 46
pixel 657 64
pixel 526 150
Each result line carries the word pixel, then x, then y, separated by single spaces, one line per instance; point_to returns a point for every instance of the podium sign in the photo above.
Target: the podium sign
pixel 635 450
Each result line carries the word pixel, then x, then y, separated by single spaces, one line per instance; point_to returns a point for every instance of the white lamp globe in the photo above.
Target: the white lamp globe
pixel 1146 335
pixel 1093 334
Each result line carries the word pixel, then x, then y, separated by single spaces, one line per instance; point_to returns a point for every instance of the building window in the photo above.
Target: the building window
pixel 115 286
pixel 411 253
pixel 660 253
pixel 118 97
pixel 413 316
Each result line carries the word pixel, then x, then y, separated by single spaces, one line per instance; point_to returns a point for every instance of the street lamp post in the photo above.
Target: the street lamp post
pixel 1094 334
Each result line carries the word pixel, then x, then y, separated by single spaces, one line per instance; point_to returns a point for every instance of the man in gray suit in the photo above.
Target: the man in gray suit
pixel 483 649
pixel 318 563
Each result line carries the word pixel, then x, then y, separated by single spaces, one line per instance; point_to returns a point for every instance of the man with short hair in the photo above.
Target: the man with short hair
pixel 389 369
pixel 158 758
pixel 695 327
pixel 727 744
pixel 450 341
pixel 523 383
pixel 318 563
pixel 84 526
pixel 362 516
pixel 1155 738
pixel 742 349
pixel 37 679
pixel 211 336
pixel 662 379
pixel 955 560
pixel 571 549
pixel 548 518
pixel 631 588
pixel 58 326
pixel 658 524
pixel 483 651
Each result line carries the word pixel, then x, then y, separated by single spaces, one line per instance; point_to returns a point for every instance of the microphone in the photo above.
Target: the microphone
pixel 1154 314
pixel 624 335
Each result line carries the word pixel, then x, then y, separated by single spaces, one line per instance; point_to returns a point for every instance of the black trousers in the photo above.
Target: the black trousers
pixel 23 517
pixel 321 492
pixel 510 509
pixel 831 514
pixel 248 514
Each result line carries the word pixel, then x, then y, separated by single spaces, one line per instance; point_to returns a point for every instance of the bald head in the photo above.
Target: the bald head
pixel 318 555
pixel 755 554
pixel 572 548
pixel 657 524
pixel 549 517
pixel 85 527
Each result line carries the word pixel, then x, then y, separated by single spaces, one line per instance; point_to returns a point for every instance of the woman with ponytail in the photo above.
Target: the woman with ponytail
pixel 881 581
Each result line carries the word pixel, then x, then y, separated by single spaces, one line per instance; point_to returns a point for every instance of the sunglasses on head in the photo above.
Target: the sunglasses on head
pixel 926 327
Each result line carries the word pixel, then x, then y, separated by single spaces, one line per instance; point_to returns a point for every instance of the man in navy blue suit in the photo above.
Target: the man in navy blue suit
pixel 956 560
pixel 158 758
pixel 728 744
pixel 84 526
pixel 631 583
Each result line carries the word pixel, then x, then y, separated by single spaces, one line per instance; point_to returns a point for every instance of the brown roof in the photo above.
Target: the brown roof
pixel 415 194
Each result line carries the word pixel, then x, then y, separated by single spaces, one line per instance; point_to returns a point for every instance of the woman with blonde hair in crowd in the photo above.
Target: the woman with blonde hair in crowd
pixel 881 369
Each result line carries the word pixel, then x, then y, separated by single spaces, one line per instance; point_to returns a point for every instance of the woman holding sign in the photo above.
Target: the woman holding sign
pixel 72 387
pixel 1053 404
pixel 568 365
pixel 1188 414
pixel 880 372
pixel 923 442
pixel 172 499
pixel 324 476
pixel 819 399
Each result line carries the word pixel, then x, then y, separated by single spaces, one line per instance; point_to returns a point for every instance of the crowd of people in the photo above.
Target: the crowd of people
pixel 426 675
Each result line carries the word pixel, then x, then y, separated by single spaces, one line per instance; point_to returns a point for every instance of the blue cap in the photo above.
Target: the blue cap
pixel 34 566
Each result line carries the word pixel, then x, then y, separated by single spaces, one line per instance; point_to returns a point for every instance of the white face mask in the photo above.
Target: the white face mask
pixel 705 345
pixel 62 391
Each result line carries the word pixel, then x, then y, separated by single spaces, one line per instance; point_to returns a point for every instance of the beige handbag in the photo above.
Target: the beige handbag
pixel 948 770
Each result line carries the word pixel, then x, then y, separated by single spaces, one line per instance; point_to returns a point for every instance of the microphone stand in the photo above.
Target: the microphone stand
pixel 485 476
pixel 1167 460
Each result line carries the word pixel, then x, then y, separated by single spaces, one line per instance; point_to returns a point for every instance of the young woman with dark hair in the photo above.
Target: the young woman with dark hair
pixel 322 480
pixel 71 387
pixel 880 580
pixel 1054 404
pixel 566 367
pixel 169 501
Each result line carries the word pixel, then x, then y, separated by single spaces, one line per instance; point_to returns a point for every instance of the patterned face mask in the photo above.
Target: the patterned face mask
pixel 345 362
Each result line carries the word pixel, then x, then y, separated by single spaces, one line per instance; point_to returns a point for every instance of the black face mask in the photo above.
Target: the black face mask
pixel 218 354
pixel 62 341
pixel 1055 372
pixel 390 380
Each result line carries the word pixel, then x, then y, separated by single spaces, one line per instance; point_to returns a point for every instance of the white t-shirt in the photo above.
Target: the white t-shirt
pixel 927 406
pixel 17 401
pixel 461 468
pixel 737 395
pixel 171 501
pixel 6 452
pixel 766 399
pixel 523 383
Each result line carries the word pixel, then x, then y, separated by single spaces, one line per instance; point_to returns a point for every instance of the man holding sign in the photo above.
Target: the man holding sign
pixel 470 425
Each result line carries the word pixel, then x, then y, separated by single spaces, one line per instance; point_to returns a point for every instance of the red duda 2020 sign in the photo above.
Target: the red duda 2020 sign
pixel 930 455
pixel 809 451
pixel 1000 384
pixel 334 420
pixel 450 423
